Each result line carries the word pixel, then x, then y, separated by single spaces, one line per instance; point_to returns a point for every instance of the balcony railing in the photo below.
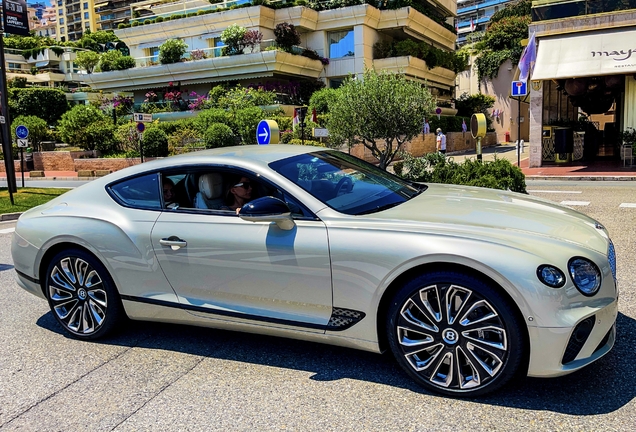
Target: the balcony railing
pixel 555 9
pixel 170 8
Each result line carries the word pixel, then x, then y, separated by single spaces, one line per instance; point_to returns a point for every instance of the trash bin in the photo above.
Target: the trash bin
pixel 563 144
pixel 28 158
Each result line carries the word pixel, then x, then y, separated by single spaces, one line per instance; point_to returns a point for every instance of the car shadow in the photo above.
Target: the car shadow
pixel 601 388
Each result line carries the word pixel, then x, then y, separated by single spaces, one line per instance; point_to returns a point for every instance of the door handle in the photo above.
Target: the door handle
pixel 174 242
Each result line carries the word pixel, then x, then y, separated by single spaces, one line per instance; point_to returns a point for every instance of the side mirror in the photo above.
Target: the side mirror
pixel 268 209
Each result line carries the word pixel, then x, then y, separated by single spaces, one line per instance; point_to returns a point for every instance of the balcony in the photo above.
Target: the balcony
pixel 417 68
pixel 543 10
pixel 208 70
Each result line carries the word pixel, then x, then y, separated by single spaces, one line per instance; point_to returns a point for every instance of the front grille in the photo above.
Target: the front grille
pixel 577 339
pixel 611 256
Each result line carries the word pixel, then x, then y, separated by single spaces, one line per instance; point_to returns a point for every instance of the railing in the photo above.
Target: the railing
pixel 186 10
pixel 554 9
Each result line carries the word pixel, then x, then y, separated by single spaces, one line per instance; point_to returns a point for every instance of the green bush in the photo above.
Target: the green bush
pixel 125 62
pixel 172 127
pixel 218 135
pixel 135 24
pixel 46 103
pixel 171 51
pixel 320 100
pixel 232 37
pixel 206 118
pixel 307 143
pixel 437 168
pixel 155 143
pixel 126 137
pixel 246 121
pixel 448 124
pixel 108 60
pixel 100 136
pixel 72 125
pixel 159 19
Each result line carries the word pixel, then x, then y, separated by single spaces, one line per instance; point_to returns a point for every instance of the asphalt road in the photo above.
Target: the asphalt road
pixel 167 377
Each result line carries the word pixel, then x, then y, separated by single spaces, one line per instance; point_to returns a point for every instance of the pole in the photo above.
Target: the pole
pixel 22 164
pixel 519 133
pixel 141 148
pixel 6 136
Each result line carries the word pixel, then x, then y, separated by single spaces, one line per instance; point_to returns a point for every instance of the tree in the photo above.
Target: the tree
pixel 38 129
pixel 380 106
pixel 73 124
pixel 171 51
pixel 47 103
pixel 87 60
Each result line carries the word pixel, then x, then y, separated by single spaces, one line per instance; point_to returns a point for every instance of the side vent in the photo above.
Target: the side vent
pixel 342 319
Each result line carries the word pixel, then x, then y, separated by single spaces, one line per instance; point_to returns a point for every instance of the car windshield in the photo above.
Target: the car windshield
pixel 346 183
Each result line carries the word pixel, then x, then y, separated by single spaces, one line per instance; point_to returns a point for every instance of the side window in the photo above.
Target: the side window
pixel 139 192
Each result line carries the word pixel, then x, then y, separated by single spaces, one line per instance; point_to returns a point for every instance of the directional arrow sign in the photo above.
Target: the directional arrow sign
pixel 267 132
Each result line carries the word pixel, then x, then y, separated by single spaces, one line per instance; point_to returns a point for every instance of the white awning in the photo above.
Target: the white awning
pixel 609 52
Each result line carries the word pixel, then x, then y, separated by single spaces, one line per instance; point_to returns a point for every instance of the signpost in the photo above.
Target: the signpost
pixel 142 117
pixel 267 132
pixel 22 132
pixel 141 127
pixel 519 90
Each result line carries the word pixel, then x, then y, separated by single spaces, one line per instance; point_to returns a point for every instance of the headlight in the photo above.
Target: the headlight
pixel 551 276
pixel 585 275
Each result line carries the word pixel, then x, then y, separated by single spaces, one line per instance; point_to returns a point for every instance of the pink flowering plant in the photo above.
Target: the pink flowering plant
pixel 197 102
pixel 198 54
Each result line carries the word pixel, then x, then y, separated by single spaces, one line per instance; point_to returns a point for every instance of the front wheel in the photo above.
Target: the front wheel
pixel 455 334
pixel 81 294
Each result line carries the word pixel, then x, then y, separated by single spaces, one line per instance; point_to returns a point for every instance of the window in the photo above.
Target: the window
pixel 15 66
pixel 85 15
pixel 87 24
pixel 341 44
pixel 153 53
pixel 61 20
pixel 60 2
pixel 85 6
pixel 60 11
pixel 334 83
pixel 214 43
pixel 62 32
pixel 139 192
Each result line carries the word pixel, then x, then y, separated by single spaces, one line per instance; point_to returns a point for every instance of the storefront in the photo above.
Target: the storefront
pixel 582 88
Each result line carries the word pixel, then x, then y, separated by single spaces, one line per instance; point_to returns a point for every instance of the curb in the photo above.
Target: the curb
pixel 9 217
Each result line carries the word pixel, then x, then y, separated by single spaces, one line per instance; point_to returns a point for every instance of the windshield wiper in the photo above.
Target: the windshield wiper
pixel 381 208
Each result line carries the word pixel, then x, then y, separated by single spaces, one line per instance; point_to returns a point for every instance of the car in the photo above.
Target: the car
pixel 467 287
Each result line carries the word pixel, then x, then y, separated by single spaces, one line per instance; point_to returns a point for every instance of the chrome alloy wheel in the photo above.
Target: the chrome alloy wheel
pixel 77 295
pixel 452 337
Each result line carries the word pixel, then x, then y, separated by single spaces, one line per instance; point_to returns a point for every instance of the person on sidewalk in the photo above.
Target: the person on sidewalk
pixel 441 141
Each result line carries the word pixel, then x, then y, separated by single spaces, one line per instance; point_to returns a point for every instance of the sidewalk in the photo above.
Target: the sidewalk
pixel 597 170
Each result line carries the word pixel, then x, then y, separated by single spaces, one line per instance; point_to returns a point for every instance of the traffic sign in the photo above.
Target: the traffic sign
pixel 23 142
pixel 142 117
pixel 22 131
pixel 321 132
pixel 519 88
pixel 3 120
pixel 141 127
pixel 267 132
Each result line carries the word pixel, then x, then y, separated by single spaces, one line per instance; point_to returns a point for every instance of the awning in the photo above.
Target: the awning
pixel 608 52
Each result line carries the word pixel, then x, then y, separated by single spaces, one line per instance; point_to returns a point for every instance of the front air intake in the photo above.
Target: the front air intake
pixel 578 338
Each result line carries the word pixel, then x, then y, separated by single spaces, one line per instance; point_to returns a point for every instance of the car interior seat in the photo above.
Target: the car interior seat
pixel 210 195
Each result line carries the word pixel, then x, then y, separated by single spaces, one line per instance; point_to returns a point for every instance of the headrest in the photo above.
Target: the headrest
pixel 211 185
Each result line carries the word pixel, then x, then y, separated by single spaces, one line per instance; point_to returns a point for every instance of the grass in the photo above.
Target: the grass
pixel 26 198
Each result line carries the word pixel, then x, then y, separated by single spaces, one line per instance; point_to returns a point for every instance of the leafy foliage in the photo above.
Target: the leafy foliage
pixel 437 168
pixel 246 121
pixel 252 38
pixel 320 100
pixel 38 129
pixel 100 136
pixel 87 60
pixel 218 135
pixel 431 55
pixel 46 103
pixel 208 117
pixel 171 51
pixel 114 60
pixel 286 36
pixel 518 8
pixel 381 106
pixel 155 143
pixel 73 124
pixel 17 82
pixel 233 38
pixel 467 105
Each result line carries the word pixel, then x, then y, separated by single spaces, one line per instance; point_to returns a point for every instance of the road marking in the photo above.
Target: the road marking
pixel 7 231
pixel 628 205
pixel 575 203
pixel 550 191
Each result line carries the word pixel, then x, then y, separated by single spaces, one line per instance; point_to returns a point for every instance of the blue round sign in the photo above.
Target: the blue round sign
pixel 22 132
pixel 141 127
pixel 263 133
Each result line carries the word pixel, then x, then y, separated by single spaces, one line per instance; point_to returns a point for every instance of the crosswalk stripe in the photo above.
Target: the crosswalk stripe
pixel 555 192
pixel 7 230
pixel 628 205
pixel 575 203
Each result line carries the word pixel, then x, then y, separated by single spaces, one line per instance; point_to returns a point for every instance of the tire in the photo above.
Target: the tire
pixel 82 295
pixel 455 335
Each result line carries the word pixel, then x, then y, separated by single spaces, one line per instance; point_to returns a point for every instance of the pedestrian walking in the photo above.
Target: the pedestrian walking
pixel 441 141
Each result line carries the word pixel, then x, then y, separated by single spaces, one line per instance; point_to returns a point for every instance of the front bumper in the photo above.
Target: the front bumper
pixel 548 345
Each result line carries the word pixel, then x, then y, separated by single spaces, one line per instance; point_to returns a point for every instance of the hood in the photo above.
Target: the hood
pixel 480 209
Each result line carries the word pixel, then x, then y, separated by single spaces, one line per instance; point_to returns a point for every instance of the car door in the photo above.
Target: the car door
pixel 224 267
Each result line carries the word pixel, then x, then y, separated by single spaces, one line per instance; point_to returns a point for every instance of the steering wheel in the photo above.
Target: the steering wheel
pixel 345 185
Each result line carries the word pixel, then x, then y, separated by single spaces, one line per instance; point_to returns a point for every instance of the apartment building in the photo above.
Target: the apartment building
pixel 585 68
pixel 343 37
pixel 473 16
pixel 114 12
pixel 74 17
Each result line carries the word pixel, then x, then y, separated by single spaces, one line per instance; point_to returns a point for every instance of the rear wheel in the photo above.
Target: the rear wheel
pixel 455 334
pixel 81 294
